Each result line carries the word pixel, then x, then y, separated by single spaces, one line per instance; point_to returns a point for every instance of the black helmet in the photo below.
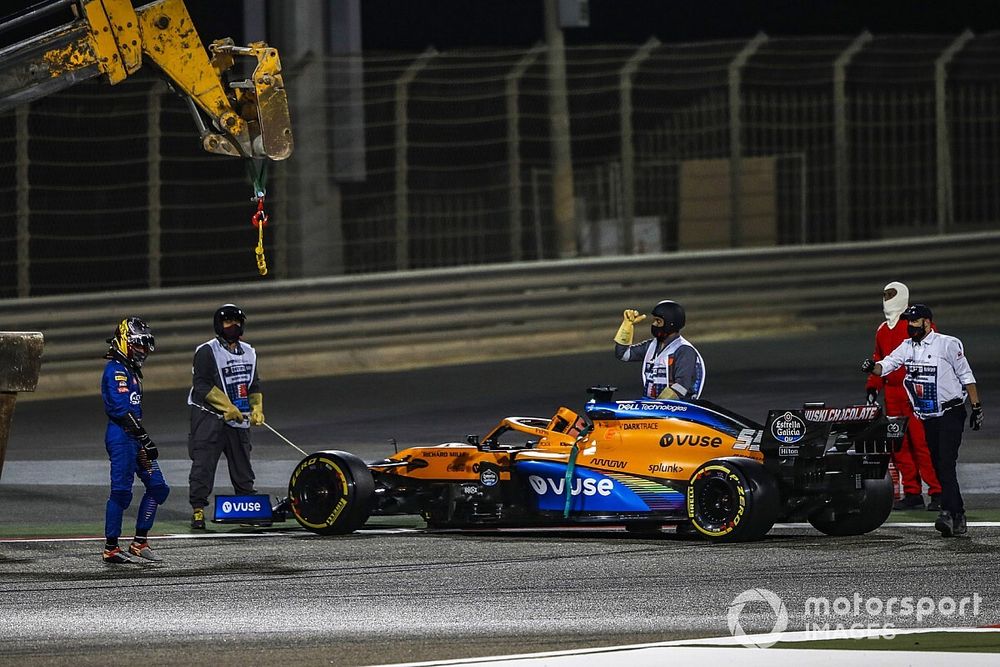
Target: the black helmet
pixel 229 312
pixel 916 311
pixel 672 315
pixel 133 340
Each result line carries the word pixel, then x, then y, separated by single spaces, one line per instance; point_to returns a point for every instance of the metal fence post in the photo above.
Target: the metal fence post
pixel 736 139
pixel 280 231
pixel 627 141
pixel 514 151
pixel 402 195
pixel 23 203
pixel 842 167
pixel 154 158
pixel 536 209
pixel 563 213
pixel 945 202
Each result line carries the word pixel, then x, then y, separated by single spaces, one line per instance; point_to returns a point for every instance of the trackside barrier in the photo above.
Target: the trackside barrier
pixel 389 321
pixel 20 354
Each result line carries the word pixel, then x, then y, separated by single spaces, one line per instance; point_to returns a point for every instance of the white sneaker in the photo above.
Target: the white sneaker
pixel 143 550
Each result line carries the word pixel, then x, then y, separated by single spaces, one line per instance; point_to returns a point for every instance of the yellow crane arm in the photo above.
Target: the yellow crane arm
pixel 110 38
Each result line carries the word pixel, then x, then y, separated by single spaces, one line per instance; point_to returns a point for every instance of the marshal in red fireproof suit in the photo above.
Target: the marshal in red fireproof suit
pixel 914 458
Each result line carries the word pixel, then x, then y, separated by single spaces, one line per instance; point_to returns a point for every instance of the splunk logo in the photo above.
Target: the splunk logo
pixel 587 486
pixel 243 506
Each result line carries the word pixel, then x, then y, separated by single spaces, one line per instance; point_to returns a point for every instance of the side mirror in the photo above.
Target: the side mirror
pixel 602 393
pixel 472 440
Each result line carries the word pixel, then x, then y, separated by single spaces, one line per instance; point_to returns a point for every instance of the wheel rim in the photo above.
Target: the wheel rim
pixel 716 502
pixel 319 491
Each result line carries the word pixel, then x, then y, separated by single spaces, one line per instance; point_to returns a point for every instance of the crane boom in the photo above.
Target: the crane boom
pixel 111 38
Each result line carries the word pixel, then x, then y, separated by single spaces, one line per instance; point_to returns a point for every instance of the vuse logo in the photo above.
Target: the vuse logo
pixel 587 486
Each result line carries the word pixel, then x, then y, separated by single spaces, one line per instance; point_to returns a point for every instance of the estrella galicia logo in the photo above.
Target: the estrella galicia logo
pixel 788 428
pixel 488 477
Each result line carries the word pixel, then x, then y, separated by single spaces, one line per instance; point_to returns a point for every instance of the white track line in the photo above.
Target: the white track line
pixel 468 531
pixel 730 650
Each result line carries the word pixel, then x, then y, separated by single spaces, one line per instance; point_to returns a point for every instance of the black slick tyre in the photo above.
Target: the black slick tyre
pixel 732 500
pixel 868 514
pixel 331 493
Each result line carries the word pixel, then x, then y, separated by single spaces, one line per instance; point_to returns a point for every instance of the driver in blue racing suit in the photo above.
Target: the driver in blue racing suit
pixel 672 367
pixel 130 449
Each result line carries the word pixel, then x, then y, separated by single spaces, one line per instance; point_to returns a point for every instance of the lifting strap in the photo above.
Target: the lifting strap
pixel 258 179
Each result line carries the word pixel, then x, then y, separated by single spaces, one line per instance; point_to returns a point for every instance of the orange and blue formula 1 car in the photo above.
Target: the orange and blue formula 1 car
pixel 641 463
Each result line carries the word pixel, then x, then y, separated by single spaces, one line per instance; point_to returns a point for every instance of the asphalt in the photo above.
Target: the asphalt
pixel 393 592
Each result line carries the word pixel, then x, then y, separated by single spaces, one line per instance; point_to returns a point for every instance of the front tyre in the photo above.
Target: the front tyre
pixel 863 516
pixel 732 500
pixel 331 493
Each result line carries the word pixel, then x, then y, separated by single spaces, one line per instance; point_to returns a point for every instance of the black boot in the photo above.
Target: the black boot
pixel 935 504
pixel 911 501
pixel 945 524
pixel 960 526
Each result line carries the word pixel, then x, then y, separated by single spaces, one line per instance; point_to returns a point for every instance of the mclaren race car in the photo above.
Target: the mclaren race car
pixel 642 463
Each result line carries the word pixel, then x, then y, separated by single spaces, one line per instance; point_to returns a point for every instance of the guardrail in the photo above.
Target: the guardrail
pixel 434 317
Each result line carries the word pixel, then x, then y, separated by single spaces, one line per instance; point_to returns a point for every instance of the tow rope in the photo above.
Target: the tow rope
pixel 258 178
pixel 570 469
pixel 574 451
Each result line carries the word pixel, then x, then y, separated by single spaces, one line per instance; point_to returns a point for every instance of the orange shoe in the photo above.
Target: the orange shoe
pixel 142 550
pixel 116 555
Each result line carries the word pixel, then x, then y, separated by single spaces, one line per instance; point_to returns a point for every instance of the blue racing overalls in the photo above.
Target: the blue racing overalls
pixel 121 388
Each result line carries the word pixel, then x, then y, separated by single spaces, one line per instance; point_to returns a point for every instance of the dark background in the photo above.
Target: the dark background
pixel 415 24
pixel 412 25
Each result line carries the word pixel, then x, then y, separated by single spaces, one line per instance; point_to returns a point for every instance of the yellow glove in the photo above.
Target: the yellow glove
pixel 668 393
pixel 629 319
pixel 221 402
pixel 256 409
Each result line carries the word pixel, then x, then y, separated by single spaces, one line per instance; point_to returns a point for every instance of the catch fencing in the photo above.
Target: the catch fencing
pixel 417 161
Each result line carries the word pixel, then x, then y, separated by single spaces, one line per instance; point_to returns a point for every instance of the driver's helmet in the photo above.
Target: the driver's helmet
pixel 133 340
pixel 229 312
pixel 672 314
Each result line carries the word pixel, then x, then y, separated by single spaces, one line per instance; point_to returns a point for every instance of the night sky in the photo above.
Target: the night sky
pixel 413 25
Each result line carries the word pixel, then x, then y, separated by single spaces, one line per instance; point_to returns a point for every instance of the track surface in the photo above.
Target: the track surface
pixel 391 594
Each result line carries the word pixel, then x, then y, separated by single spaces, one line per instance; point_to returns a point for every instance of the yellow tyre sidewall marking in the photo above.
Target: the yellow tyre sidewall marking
pixel 341 504
pixel 731 475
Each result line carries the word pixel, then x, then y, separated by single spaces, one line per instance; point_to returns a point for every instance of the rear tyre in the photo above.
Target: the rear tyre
pixel 868 514
pixel 733 500
pixel 331 493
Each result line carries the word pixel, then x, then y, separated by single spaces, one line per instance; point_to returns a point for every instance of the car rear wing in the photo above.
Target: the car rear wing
pixel 815 429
